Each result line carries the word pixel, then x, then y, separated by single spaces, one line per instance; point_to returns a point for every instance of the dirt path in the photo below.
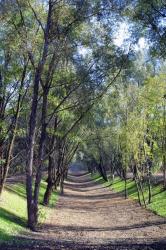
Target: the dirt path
pixel 90 216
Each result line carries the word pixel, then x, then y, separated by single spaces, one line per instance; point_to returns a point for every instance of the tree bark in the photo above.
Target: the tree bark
pixel 32 201
pixel 31 143
pixel 62 184
pixel 164 170
pixel 40 155
pixel 125 176
pixel 138 191
pixel 50 183
pixel 164 145
pixel 51 169
pixel 149 185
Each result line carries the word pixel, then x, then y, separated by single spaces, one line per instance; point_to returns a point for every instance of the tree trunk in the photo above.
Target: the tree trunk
pixel 164 144
pixel 164 170
pixel 139 187
pixel 149 185
pixel 138 191
pixel 32 202
pixel 7 162
pixel 50 183
pixel 31 143
pixel 125 175
pixel 40 155
pixel 102 170
pixel 48 193
pixel 142 192
pixel 62 184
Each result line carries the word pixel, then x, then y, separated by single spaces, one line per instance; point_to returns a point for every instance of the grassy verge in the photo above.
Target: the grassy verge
pixel 158 204
pixel 13 212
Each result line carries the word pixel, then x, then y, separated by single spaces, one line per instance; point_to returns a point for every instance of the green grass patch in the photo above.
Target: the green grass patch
pixel 158 204
pixel 13 209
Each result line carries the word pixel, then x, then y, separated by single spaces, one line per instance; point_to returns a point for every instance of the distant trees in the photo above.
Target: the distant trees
pixel 130 128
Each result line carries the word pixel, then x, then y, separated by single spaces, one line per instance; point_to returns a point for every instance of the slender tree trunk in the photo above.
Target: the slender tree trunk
pixel 31 143
pixel 62 170
pixel 102 170
pixel 136 179
pixel 32 202
pixel 142 192
pixel 164 170
pixel 7 162
pixel 138 191
pixel 50 182
pixel 40 155
pixel 112 172
pixel 57 180
pixel 1 161
pixel 51 169
pixel 139 188
pixel 149 185
pixel 164 145
pixel 62 184
pixel 126 193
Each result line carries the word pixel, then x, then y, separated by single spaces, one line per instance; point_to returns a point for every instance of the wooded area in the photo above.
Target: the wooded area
pixel 82 81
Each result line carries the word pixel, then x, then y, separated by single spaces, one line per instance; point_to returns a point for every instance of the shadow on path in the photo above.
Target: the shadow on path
pixel 114 244
pixel 90 216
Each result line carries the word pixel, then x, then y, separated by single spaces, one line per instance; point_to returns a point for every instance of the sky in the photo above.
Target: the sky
pixel 119 39
pixel 122 34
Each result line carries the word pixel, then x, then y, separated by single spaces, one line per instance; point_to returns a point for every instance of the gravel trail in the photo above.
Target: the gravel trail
pixel 90 216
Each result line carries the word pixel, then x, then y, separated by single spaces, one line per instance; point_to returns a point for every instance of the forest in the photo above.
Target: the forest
pixel 82 121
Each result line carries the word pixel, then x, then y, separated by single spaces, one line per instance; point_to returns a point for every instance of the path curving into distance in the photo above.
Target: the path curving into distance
pixel 90 216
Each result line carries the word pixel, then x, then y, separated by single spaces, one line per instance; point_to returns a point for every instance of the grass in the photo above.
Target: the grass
pixel 158 204
pixel 13 212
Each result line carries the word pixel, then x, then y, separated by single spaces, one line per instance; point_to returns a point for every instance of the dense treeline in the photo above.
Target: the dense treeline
pixel 128 135
pixel 67 88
